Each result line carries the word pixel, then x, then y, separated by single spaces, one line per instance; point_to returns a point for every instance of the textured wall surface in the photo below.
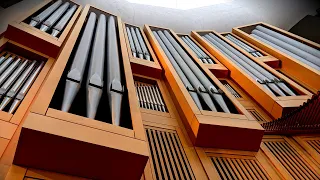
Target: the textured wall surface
pixel 221 17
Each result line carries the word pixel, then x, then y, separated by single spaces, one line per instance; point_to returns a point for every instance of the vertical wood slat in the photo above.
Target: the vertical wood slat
pixel 168 156
pixel 290 159
pixel 239 168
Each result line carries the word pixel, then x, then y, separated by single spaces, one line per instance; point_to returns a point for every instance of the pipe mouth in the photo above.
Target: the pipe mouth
pixel 44 28
pixel 4 103
pixel 33 23
pixel 14 106
pixel 55 33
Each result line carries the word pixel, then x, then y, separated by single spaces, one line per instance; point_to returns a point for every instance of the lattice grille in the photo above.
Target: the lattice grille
pixel 149 96
pixel 297 167
pixel 168 157
pixel 239 168
pixel 315 144
pixel 233 92
pixel 256 115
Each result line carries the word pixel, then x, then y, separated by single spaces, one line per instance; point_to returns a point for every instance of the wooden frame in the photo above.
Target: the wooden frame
pixel 300 72
pixel 218 69
pixel 95 142
pixel 310 147
pixel 9 122
pixel 276 106
pixel 204 126
pixel 266 58
pixel 36 39
pixel 142 66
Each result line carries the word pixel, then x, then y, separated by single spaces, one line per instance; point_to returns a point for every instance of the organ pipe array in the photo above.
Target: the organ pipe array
pixel 205 95
pixel 197 50
pixel 269 81
pixel 100 52
pixel 137 44
pixel 149 96
pixel 54 18
pixel 302 52
pixel 16 78
pixel 244 46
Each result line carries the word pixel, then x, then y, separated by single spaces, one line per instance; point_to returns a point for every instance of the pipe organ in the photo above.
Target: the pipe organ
pixel 84 95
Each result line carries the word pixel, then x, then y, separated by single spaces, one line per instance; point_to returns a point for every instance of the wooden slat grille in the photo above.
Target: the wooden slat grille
pixel 315 144
pixel 238 168
pixel 168 157
pixel 256 115
pixel 297 167
pixel 230 89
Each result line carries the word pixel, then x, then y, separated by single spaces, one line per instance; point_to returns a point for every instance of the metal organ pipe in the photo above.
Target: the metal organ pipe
pixel 133 48
pixel 63 21
pixel 142 44
pixel 136 43
pixel 44 14
pixel 54 17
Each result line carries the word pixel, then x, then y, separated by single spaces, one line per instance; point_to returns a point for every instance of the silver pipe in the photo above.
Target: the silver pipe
pixel 188 72
pixel 259 54
pixel 138 94
pixel 290 41
pixel 180 73
pixel 115 87
pixel 44 14
pixel 156 98
pixel 75 74
pixel 9 70
pixel 63 21
pixel 146 97
pixel 96 68
pixel 192 48
pixel 136 43
pixel 2 58
pixel 287 52
pixel 233 58
pixel 133 49
pixel 243 44
pixel 54 17
pixel 5 64
pixel 258 69
pixel 24 89
pixel 160 98
pixel 142 44
pixel 153 102
pixel 146 105
pixel 199 74
pixel 197 47
pixel 237 43
pixel 5 87
pixel 311 58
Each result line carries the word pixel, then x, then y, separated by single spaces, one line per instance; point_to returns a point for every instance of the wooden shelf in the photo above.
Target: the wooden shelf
pixel 298 71
pixel 101 150
pixel 21 32
pixel 239 130
pixel 276 106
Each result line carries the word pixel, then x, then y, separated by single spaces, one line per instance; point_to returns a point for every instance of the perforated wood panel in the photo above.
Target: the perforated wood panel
pixel 169 160
pixel 291 160
pixel 239 168
pixel 233 92
pixel 315 144
pixel 256 115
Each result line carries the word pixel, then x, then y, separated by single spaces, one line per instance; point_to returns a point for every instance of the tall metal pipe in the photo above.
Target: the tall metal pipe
pixel 203 79
pixel 199 55
pixel 192 91
pixel 44 14
pixel 234 59
pixel 115 87
pixel 258 69
pixel 200 50
pixel 54 17
pixel 63 21
pixel 9 70
pixel 5 64
pixel 160 98
pixel 293 49
pixel 290 41
pixel 287 52
pixel 96 68
pixel 136 43
pixel 133 49
pixel 200 89
pixel 3 57
pixel 75 74
pixel 142 44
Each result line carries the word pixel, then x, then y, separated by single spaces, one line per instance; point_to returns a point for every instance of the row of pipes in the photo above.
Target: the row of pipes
pixel 244 46
pixel 204 58
pixel 137 43
pixel 194 80
pixel 54 18
pixel 269 81
pixel 149 96
pixel 302 52
pixel 16 78
pixel 100 52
